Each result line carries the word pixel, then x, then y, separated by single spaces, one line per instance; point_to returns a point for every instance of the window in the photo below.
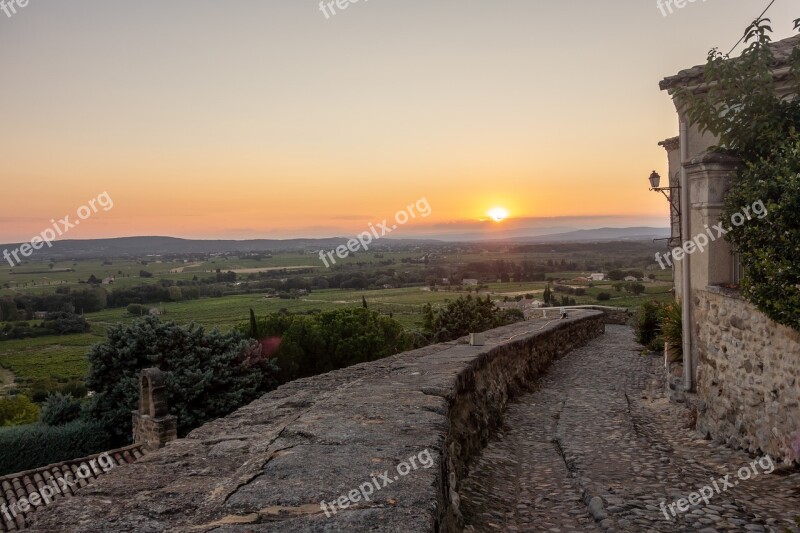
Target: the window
pixel 737 268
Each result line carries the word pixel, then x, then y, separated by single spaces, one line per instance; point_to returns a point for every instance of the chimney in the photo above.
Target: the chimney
pixel 153 426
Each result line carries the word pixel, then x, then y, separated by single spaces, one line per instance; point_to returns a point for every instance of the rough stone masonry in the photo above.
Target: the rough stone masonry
pixel 267 466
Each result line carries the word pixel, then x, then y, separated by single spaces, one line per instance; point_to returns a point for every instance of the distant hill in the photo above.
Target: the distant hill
pixel 144 246
pixel 600 234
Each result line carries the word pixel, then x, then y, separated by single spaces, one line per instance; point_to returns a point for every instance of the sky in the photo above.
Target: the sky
pixel 268 119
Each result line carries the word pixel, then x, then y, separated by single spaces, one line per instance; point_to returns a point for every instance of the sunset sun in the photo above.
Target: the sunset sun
pixel 498 214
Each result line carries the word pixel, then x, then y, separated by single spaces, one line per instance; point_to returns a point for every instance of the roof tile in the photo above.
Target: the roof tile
pixel 15 487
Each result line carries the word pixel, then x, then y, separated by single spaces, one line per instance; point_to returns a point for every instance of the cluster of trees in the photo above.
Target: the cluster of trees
pixel 319 342
pixel 551 298
pixel 96 298
pixel 60 323
pixel 502 270
pixel 35 445
pixel 23 306
pixel 464 316
pixel 574 291
pixel 31 436
pixel 632 287
pixel 164 291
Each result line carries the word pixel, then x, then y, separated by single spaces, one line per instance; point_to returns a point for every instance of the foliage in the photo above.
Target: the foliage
pixel 637 288
pixel 672 326
pixel 59 409
pixel 741 106
pixel 39 389
pixel 9 311
pixel 648 326
pixel 603 297
pixel 769 247
pixel 17 411
pixel 511 315
pixel 464 316
pixel 37 445
pixel 739 103
pixel 207 374
pixel 64 323
pixel 84 301
pixel 75 388
pixel 55 323
pixel 137 309
pixel 548 296
pixel 321 342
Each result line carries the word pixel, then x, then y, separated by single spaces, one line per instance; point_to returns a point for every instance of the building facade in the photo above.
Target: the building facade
pixel 740 369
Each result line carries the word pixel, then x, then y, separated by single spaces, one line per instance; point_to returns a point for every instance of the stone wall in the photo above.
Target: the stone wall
pixel 269 465
pixel 748 375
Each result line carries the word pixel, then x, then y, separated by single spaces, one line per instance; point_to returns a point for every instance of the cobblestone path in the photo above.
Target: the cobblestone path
pixel 597 447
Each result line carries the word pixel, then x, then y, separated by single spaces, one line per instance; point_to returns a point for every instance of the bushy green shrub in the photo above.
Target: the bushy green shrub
pixel 464 316
pixel 39 389
pixel 59 409
pixel 307 345
pixel 137 310
pixel 76 389
pixel 648 326
pixel 511 316
pixel 37 445
pixel 64 323
pixel 672 326
pixel 603 297
pixel 17 411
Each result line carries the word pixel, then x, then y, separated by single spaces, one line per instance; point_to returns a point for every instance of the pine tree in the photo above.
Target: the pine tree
pixel 253 332
pixel 208 374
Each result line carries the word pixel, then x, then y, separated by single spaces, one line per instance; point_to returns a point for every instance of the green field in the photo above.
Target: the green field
pixel 63 357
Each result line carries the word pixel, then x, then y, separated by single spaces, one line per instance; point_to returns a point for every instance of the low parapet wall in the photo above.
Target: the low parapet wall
pixel 384 444
pixel 614 315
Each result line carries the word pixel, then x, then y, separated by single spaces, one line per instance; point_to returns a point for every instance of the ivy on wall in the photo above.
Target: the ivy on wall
pixel 740 105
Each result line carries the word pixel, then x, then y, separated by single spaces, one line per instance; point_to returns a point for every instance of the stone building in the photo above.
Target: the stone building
pixel 741 369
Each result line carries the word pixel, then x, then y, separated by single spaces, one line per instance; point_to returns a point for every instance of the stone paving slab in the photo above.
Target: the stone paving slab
pixel 596 447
